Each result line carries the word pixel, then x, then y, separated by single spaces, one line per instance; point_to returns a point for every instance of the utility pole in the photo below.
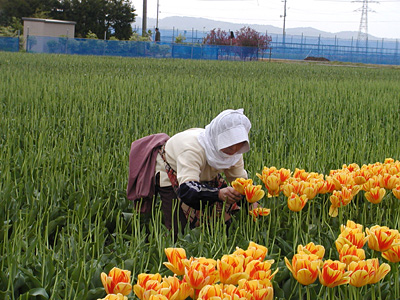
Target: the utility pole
pixel 144 20
pixel 284 21
pixel 157 13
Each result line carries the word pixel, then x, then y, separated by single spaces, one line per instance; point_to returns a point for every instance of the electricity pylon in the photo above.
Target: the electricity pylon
pixel 363 30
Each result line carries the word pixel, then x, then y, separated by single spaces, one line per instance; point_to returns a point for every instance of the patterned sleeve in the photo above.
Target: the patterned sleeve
pixel 197 195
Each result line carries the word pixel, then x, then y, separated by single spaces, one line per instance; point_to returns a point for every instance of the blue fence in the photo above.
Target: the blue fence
pixel 333 50
pixel 9 44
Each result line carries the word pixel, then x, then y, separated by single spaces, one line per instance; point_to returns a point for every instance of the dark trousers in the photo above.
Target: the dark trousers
pixel 170 205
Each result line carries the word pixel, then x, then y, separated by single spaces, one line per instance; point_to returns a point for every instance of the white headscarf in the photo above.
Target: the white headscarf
pixel 230 127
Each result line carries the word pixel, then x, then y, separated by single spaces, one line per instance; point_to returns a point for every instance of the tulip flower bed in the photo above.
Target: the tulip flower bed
pixel 324 167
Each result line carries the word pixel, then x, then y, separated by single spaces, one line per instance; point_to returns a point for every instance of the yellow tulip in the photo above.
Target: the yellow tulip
pixel 256 289
pixel 352 225
pixel 380 270
pixel 175 289
pixel 158 297
pixel 310 190
pixel 396 191
pixel 333 273
pixel 338 199
pixel 199 274
pixel 283 174
pixel 393 254
pixel 382 238
pixel 311 248
pixel 304 267
pixel 114 297
pixel 117 281
pixel 389 181
pixel 375 195
pixel 325 186
pixel 253 193
pixel 259 211
pixel 361 274
pixel 175 257
pixel 211 292
pixel 254 252
pixel 296 202
pixel 145 283
pixel 348 254
pixel 231 269
pixel 240 184
pixel 372 182
pixel 260 269
pixel 301 174
pixel 351 237
pixel 272 184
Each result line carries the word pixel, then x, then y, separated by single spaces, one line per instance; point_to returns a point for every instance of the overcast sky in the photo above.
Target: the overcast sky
pixel 327 15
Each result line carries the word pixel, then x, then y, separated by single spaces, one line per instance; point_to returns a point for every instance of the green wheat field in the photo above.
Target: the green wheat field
pixel 66 126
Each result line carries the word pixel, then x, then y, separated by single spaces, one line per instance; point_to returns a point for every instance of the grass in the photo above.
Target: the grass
pixel 67 123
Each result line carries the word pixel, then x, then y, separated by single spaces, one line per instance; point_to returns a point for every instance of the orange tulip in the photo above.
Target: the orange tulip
pixel 304 267
pixel 338 199
pixel 375 195
pixel 351 237
pixel 260 270
pixel 158 297
pixel 324 187
pixel 381 238
pixel 396 191
pixel 146 283
pixel 372 182
pixel 380 270
pixel 115 297
pixel 311 248
pixel 199 274
pixel 272 183
pixel 301 174
pixel 240 184
pixel 292 186
pixel 389 181
pixel 362 273
pixel 255 289
pixel 253 193
pixel 259 211
pixel 393 254
pixel 150 288
pixel 352 225
pixel 333 273
pixel 283 174
pixel 175 257
pixel 253 252
pixel 175 289
pixel 296 203
pixel 117 281
pixel 348 254
pixel 310 190
pixel 231 269
pixel 211 292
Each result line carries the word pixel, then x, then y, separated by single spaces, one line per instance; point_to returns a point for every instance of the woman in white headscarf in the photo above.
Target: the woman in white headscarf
pixel 188 168
pixel 190 164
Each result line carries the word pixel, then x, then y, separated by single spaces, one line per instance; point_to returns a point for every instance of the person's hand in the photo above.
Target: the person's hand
pixel 229 195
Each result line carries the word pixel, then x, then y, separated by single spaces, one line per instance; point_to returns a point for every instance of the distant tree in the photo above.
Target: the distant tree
pixel 180 39
pixel 245 37
pixel 119 17
pixel 217 37
pixel 113 17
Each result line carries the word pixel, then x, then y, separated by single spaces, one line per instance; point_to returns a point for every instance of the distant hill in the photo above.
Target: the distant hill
pixel 203 24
